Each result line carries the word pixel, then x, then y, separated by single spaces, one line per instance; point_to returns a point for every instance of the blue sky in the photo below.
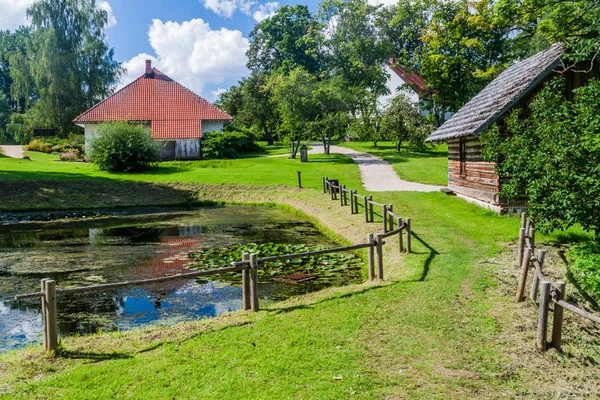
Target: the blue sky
pixel 199 43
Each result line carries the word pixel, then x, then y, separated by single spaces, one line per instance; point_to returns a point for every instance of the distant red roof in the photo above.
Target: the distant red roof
pixel 173 111
pixel 413 79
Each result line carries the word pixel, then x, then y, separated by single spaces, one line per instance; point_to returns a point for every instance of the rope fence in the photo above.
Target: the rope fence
pixel 542 290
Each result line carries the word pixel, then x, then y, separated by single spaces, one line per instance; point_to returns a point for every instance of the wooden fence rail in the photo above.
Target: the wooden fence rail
pixel 548 293
pixel 391 222
pixel 248 266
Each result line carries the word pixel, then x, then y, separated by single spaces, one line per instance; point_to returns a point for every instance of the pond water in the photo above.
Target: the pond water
pixel 132 245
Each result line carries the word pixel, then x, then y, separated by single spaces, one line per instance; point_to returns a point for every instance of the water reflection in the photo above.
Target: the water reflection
pixel 149 245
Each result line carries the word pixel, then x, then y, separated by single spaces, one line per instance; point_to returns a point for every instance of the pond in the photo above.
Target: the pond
pixel 138 244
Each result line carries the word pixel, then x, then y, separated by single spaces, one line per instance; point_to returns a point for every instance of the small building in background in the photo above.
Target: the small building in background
pixel 175 115
pixel 469 175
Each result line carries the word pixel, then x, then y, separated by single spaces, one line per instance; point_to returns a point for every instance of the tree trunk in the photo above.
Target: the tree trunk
pixel 295 147
pixel 398 145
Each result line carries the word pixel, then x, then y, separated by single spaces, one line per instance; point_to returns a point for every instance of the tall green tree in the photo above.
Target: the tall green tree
pixel 351 45
pixel 284 41
pixel 403 123
pixel 69 59
pixel 294 95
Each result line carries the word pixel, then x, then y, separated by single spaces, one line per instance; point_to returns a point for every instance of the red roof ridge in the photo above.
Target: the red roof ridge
pixel 213 112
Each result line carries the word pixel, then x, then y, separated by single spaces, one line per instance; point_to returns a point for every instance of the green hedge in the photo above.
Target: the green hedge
pixel 228 144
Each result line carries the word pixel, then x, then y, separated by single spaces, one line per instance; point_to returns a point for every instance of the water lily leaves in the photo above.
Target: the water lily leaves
pixel 326 266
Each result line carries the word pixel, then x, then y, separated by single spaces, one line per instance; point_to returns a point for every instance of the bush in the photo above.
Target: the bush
pixel 69 156
pixel 123 147
pixel 40 146
pixel 585 268
pixel 227 145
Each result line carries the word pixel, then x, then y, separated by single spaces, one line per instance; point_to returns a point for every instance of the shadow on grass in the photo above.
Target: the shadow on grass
pixel 432 254
pixel 91 356
pixel 280 310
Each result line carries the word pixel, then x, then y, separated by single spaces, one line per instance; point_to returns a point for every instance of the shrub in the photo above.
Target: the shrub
pixel 585 267
pixel 123 147
pixel 227 145
pixel 68 156
pixel 40 146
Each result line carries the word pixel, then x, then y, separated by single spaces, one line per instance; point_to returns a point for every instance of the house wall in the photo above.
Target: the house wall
pixel 394 83
pixel 187 149
pixel 89 132
pixel 479 180
pixel 210 126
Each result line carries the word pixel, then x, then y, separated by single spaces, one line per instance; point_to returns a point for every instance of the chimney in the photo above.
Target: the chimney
pixel 148 67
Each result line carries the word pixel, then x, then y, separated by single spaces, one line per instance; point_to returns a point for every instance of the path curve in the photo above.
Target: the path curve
pixel 377 175
pixel 12 151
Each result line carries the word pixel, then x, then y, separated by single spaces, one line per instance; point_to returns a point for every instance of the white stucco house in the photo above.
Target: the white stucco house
pixel 176 115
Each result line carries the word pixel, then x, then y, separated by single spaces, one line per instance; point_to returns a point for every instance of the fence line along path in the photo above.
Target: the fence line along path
pixel 540 285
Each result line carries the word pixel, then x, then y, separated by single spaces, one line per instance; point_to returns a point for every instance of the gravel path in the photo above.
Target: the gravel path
pixel 377 175
pixel 12 151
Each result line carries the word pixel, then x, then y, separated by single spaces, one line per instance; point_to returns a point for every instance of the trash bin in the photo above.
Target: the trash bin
pixel 303 153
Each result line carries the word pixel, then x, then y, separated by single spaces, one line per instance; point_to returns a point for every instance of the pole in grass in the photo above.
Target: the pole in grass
pixel 371 257
pixel 246 282
pixel 300 179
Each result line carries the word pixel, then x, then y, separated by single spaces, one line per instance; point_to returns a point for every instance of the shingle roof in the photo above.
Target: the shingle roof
pixel 172 110
pixel 500 95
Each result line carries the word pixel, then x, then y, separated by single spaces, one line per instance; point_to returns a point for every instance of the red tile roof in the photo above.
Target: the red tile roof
pixel 413 79
pixel 173 111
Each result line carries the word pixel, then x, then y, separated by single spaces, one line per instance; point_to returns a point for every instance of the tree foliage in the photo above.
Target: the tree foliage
pixel 123 147
pixel 228 144
pixel 403 123
pixel 552 156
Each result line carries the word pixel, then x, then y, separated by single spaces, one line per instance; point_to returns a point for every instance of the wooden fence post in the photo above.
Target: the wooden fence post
pixel 51 325
pixel 366 207
pixel 352 200
pixel 380 256
pixel 399 225
pixel 558 317
pixel 521 246
pixel 254 282
pixel 532 237
pixel 523 277
pixel 535 284
pixel 356 202
pixel 246 283
pixel 523 220
pixel 44 316
pixel 324 185
pixel 384 217
pixel 542 329
pixel 408 232
pixel 371 257
pixel 371 209
pixel 390 218
pixel 342 194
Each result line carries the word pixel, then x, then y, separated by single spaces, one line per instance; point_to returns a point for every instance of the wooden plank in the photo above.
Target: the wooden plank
pixel 523 275
pixel 542 330
pixel 380 256
pixel 557 319
pixel 51 316
pixel 313 253
pixel 539 270
pixel 246 304
pixel 371 257
pixel 254 306
pixel 408 233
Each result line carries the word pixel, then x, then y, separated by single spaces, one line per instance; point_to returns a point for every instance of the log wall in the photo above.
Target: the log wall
pixel 479 180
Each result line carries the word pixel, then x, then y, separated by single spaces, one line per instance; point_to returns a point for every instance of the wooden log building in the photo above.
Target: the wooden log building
pixel 469 175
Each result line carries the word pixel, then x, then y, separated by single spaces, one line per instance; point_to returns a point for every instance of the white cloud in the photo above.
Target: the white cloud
pixel 193 54
pixel 13 13
pixel 226 8
pixel 218 92
pixel 112 21
pixel 265 11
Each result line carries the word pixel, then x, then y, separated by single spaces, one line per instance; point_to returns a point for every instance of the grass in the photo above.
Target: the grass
pixel 428 166
pixel 443 325
pixel 254 171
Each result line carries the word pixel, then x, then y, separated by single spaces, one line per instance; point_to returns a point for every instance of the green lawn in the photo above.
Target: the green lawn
pixel 429 166
pixel 444 325
pixel 255 171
